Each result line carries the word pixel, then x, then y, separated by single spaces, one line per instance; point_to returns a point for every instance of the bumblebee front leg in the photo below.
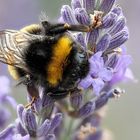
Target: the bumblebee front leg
pixel 78 28
pixel 61 28
pixel 32 91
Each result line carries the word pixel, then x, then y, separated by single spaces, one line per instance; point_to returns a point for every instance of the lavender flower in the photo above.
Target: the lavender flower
pixel 32 124
pixel 108 62
pixel 5 99
pixel 108 35
pixel 98 75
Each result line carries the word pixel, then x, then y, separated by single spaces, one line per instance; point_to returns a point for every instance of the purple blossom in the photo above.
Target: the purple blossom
pixel 5 117
pixel 20 137
pixel 76 100
pixel 4 92
pixel 98 75
pixel 36 125
pixel 108 62
pixel 106 5
pixel 111 34
pixel 5 99
pixel 120 63
pixel 86 109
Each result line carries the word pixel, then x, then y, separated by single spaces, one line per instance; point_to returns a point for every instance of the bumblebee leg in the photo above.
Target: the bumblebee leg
pixel 29 105
pixel 34 93
pixel 67 27
pixel 79 28
pixel 61 28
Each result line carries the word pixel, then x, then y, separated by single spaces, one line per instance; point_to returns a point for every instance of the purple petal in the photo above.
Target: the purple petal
pixel 117 10
pixel 101 101
pixel 91 38
pixel 97 84
pixel 118 39
pixel 4 117
pixel 87 109
pixel 20 128
pixel 124 62
pixel 89 5
pixel 20 109
pixel 117 77
pixel 106 5
pixel 129 76
pixel 120 69
pixel 76 4
pixel 55 122
pixel 109 20
pixel 112 62
pixel 30 122
pixel 38 105
pixel 124 49
pixel 97 57
pixel 76 100
pixel 47 101
pixel 19 137
pixel 82 16
pixel 51 137
pixel 120 24
pixel 61 20
pixel 96 64
pixel 7 133
pixel 80 39
pixel 44 129
pixel 95 68
pixel 86 82
pixel 103 43
pixel 106 74
pixel 68 15
pixel 47 106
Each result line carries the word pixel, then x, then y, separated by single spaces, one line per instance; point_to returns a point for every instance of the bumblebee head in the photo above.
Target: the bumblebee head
pixel 77 67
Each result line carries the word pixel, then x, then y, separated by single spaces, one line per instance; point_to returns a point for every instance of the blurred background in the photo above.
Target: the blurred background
pixel 123 116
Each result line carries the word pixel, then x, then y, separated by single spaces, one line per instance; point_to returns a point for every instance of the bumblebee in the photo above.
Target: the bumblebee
pixel 45 55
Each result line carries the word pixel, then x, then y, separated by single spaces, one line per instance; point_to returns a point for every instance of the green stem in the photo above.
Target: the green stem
pixel 68 131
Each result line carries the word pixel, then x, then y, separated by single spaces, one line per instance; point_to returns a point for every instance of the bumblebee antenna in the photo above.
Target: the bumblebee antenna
pixel 43 16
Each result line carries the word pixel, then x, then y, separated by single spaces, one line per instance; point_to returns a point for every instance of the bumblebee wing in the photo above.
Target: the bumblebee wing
pixel 12 47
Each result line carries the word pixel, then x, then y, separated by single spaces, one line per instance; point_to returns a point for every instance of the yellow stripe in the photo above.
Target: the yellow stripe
pixel 61 51
pixel 13 72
